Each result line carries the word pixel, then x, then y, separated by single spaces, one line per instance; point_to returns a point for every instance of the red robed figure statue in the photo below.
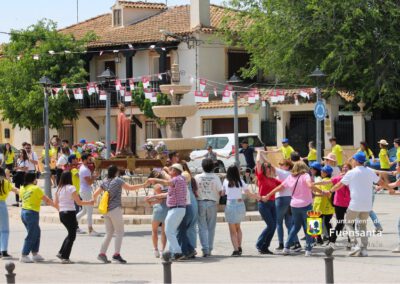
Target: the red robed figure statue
pixel 123 132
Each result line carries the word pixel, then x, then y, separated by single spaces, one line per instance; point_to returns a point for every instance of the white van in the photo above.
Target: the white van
pixel 223 144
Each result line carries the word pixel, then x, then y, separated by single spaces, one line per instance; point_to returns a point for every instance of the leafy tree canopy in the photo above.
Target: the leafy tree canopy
pixel 355 42
pixel 21 97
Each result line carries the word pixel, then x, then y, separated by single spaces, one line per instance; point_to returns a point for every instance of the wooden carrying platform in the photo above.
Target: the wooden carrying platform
pixel 130 163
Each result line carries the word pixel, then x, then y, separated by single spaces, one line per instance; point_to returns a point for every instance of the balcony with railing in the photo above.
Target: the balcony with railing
pixel 93 101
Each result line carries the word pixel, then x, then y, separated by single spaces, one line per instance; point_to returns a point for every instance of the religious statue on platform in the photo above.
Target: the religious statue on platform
pixel 123 132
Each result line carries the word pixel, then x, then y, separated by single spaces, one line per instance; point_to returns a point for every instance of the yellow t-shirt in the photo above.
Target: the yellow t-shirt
pixel 368 153
pixel 384 159
pixel 338 151
pixel 9 158
pixel 31 197
pixel 6 188
pixel 398 155
pixel 312 155
pixel 286 151
pixel 75 179
pixel 77 154
pixel 53 157
pixel 324 204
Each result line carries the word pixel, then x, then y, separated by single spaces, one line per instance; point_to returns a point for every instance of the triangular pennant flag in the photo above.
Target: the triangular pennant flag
pixel 171 92
pixel 130 46
pixel 256 93
pixel 229 90
pixel 280 94
pixel 118 84
pixel 101 53
pixel 215 92
pixel 205 96
pixel 304 94
pixel 78 94
pixel 128 96
pixel 145 81
pixel 91 88
pixel 203 84
pixel 296 100
pixel 251 97
pixel 103 95
pixel 226 96
pixel 56 91
pixel 160 76
pixel 153 98
pixel 148 94
pixel 198 97
pixel 131 84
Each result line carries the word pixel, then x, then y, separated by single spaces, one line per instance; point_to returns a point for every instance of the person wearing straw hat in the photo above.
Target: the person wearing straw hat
pixel 384 155
pixel 331 160
pixel 176 203
pixel 337 150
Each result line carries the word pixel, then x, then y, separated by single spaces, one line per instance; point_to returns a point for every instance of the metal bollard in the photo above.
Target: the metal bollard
pixel 167 267
pixel 10 276
pixel 329 265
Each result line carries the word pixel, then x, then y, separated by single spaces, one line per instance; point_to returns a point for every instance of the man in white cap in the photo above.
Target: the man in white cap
pixel 360 180
pixel 176 202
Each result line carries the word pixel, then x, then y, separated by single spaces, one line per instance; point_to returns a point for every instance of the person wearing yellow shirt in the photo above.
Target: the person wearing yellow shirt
pixel 9 156
pixel 32 196
pixel 53 154
pixel 367 150
pixel 76 152
pixel 337 150
pixel 384 155
pixel 5 188
pixel 396 144
pixel 312 153
pixel 323 203
pixel 286 149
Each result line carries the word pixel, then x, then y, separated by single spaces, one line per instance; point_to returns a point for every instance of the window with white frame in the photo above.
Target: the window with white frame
pixel 117 18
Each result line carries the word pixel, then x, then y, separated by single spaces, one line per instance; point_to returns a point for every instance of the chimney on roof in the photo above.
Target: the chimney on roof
pixel 199 13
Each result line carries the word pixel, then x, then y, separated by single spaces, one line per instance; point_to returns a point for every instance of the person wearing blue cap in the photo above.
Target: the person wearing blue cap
pixel 315 171
pixel 80 145
pixel 323 203
pixel 360 180
pixel 286 149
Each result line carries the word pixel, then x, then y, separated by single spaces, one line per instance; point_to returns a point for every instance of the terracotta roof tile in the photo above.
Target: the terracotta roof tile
pixel 175 19
pixel 220 104
pixel 141 4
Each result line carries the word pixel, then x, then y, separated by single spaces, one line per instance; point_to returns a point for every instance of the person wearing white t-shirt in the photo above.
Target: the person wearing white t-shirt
pixel 360 180
pixel 33 160
pixel 86 180
pixel 208 195
pixel 65 199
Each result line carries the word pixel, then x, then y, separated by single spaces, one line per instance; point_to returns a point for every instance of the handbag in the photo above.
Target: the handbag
pixel 103 205
pixel 223 199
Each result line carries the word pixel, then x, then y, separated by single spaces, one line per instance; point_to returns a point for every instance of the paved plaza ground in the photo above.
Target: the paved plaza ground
pixel 381 266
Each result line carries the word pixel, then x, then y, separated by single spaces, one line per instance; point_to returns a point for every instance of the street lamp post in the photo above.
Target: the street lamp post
pixel 318 75
pixel 107 75
pixel 46 82
pixel 235 80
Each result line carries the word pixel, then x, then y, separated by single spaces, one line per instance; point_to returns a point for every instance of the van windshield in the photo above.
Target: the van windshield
pixel 217 142
pixel 252 140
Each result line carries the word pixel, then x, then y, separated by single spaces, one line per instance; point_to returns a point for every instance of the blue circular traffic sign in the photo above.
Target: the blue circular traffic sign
pixel 320 111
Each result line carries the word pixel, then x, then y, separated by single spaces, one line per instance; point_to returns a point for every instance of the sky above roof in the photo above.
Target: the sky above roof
pixel 64 12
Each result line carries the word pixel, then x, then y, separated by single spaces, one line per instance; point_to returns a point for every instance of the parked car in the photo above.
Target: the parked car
pixel 223 144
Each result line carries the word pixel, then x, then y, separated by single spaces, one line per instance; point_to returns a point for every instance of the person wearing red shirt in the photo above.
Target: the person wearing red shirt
pixel 266 207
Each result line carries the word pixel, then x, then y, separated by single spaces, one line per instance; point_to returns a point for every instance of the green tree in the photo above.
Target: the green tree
pixel 355 42
pixel 21 97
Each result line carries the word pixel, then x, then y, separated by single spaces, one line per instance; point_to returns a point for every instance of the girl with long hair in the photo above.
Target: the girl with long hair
pixel 367 150
pixel 113 219
pixel 5 188
pixel 65 199
pixel 9 157
pixel 20 170
pixel 235 211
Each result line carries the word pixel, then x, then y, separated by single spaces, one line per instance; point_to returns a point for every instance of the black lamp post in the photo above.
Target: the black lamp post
pixel 107 75
pixel 46 83
pixel 318 75
pixel 235 80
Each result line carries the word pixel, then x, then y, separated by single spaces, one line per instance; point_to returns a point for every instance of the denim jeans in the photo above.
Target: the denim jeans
pixel 4 226
pixel 172 222
pixel 183 229
pixel 207 223
pixel 268 213
pixel 373 216
pixel 192 230
pixel 282 205
pixel 32 241
pixel 299 220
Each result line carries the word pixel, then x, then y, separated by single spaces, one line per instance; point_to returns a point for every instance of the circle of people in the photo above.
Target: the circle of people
pixel 186 205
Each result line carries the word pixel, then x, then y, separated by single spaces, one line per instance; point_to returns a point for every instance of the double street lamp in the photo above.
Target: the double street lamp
pixel 235 80
pixel 107 75
pixel 46 83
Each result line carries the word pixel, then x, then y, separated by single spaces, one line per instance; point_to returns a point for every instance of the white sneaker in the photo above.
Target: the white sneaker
pixel 25 259
pixel 156 253
pixel 94 234
pixel 37 258
pixel 396 250
pixel 80 231
pixel 363 252
pixel 308 253
pixel 286 251
pixel 355 251
pixel 161 254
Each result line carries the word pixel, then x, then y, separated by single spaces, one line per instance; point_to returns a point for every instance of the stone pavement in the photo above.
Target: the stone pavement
pixel 382 266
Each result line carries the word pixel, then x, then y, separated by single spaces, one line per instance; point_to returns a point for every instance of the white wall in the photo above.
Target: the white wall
pixel 141 63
